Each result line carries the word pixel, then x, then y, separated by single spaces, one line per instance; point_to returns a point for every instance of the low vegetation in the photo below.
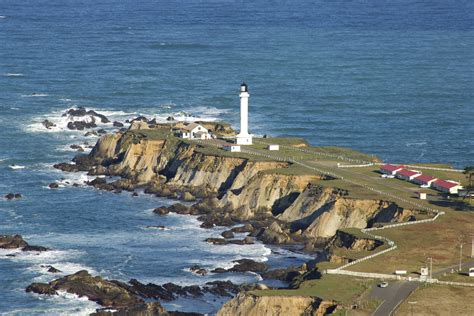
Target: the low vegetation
pixel 439 300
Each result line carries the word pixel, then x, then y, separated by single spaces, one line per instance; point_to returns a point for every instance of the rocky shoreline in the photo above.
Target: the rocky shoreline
pixel 247 196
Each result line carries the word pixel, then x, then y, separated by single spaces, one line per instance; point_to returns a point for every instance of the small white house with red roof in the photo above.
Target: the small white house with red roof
pixel 408 175
pixel 445 186
pixel 390 169
pixel 424 180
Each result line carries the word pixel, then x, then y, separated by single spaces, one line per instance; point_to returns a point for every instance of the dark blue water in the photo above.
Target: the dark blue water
pixel 391 78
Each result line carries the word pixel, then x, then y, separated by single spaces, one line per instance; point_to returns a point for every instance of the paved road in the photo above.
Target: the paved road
pixel 392 296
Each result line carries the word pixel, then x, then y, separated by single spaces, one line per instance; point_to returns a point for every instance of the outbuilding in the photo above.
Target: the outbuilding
pixel 424 180
pixel 390 169
pixel 447 186
pixel 232 148
pixel 194 131
pixel 422 195
pixel 408 175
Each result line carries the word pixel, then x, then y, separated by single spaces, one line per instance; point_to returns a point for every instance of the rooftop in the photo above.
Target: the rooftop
pixel 446 184
pixel 425 178
pixel 408 173
pixel 389 167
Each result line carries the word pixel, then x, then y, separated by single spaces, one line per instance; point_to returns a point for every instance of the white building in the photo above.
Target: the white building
pixel 407 175
pixel 450 187
pixel 232 148
pixel 390 169
pixel 273 147
pixel 194 131
pixel 244 138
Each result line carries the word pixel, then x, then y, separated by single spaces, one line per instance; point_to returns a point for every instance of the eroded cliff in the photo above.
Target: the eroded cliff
pixel 243 188
pixel 247 304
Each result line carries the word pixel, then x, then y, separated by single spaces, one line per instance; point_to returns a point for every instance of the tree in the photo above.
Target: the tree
pixel 469 172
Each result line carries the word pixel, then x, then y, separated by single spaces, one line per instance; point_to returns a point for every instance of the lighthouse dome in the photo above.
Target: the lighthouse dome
pixel 243 87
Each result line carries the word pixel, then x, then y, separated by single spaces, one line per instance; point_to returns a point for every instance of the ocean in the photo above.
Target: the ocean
pixel 390 78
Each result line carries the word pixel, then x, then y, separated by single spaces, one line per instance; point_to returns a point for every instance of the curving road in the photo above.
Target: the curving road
pixel 392 296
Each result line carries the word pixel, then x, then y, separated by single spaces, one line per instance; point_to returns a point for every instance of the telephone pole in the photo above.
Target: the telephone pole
pixel 431 268
pixel 472 246
pixel 460 257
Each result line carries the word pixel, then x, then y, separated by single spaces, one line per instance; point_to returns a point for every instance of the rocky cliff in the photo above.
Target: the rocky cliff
pixel 245 189
pixel 246 304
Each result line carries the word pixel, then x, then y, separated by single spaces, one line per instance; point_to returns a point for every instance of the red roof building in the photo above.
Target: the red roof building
pixel 390 169
pixel 446 186
pixel 406 174
pixel 424 180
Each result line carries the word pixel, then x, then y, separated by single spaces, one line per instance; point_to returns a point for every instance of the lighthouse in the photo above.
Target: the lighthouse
pixel 244 138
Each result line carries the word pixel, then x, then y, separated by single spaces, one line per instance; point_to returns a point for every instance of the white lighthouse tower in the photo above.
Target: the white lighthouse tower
pixel 244 138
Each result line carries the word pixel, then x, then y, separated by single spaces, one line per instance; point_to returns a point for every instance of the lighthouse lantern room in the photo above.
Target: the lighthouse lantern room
pixel 244 138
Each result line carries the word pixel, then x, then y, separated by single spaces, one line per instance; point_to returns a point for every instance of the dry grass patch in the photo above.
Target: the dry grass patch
pixel 439 240
pixel 439 300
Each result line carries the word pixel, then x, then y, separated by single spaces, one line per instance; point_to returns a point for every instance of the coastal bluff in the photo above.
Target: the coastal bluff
pixel 291 206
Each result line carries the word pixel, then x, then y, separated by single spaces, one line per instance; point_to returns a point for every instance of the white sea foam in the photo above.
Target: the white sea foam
pixel 65 268
pixel 3 16
pixel 11 74
pixel 16 167
pixel 33 95
pixel 62 304
pixel 207 304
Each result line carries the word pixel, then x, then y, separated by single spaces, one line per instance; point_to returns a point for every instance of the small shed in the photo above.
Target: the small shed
pixel 422 195
pixel 232 148
pixel 273 147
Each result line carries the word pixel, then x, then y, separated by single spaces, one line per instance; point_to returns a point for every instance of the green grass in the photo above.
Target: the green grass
pixel 285 141
pixel 153 134
pixel 292 170
pixel 343 289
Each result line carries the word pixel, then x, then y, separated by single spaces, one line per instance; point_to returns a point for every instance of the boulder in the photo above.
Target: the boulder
pixel 227 234
pixel 117 124
pixel 151 290
pixel 161 211
pixel 48 124
pixel 188 197
pixel 77 147
pixel 216 241
pixel 247 228
pixel 198 270
pixel 53 185
pixel 104 292
pixel 244 265
pixel 12 242
pixel 50 269
pixel 13 196
pixel 35 248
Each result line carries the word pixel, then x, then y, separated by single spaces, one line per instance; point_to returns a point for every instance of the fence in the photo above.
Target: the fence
pixel 340 270
pixel 355 166
pixel 366 274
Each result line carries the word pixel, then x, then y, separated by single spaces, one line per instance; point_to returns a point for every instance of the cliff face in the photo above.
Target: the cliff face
pixel 264 194
pixel 245 188
pixel 246 304
pixel 320 211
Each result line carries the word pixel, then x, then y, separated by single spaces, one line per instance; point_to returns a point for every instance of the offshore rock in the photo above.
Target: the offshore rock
pixel 104 292
pixel 17 241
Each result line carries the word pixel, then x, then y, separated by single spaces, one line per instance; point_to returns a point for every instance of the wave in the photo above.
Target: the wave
pixel 16 167
pixel 416 144
pixel 200 113
pixel 62 304
pixel 12 74
pixel 33 95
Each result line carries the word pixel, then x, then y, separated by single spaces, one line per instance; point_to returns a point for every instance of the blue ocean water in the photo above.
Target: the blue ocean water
pixel 391 78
